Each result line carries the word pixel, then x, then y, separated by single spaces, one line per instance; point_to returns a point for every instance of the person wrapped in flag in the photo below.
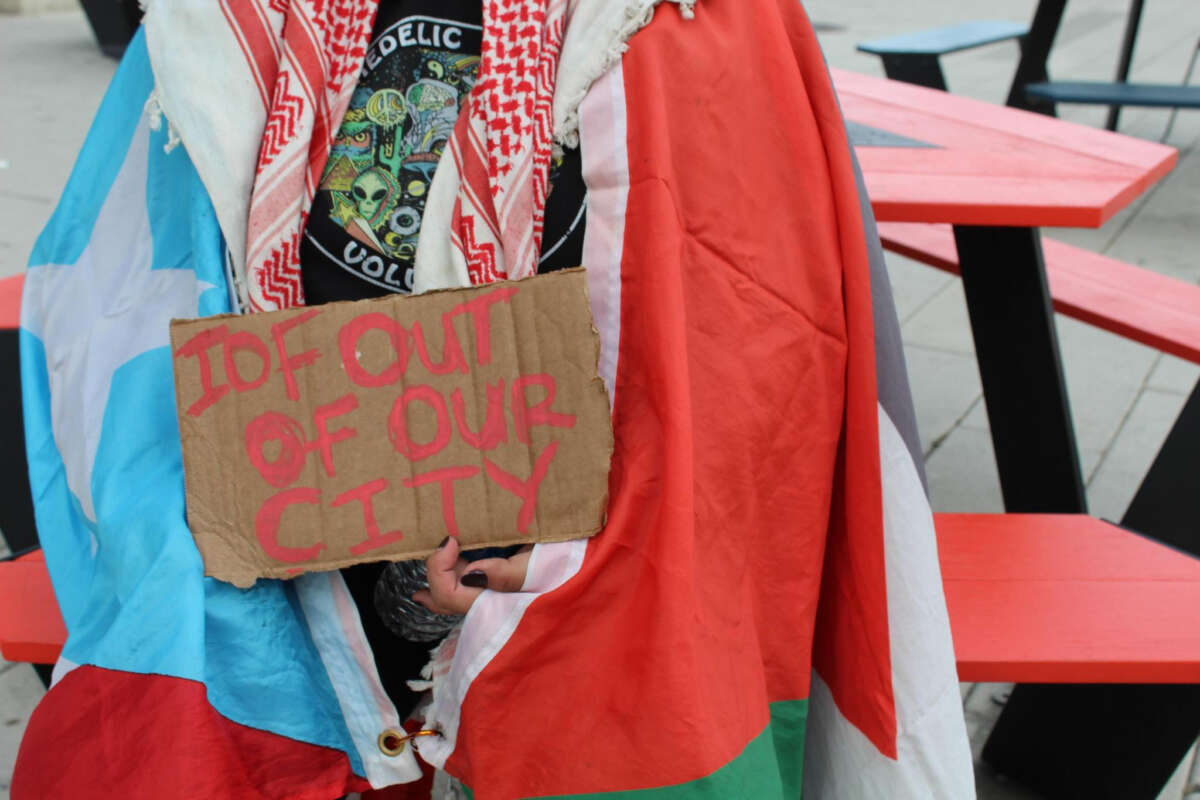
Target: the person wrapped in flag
pixel 762 615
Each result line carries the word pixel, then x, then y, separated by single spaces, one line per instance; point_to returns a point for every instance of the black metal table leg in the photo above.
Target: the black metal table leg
pixel 1097 741
pixel 1167 505
pixel 44 673
pixel 1035 50
pixel 1016 344
pixel 923 69
pixel 16 504
pixel 1131 30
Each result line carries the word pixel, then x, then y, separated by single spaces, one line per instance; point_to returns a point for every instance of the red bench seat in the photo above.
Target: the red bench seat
pixel 1133 302
pixel 31 627
pixel 1035 598
pixel 10 300
pixel 1067 598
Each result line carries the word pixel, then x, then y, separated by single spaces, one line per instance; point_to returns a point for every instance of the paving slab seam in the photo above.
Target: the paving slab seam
pixel 29 198
pixel 1108 445
pixel 932 296
pixel 937 441
pixel 943 350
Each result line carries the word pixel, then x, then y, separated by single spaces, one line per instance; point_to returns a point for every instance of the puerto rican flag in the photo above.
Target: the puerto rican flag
pixel 763 613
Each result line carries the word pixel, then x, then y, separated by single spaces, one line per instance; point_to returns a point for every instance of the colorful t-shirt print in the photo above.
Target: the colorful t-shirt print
pixel 361 235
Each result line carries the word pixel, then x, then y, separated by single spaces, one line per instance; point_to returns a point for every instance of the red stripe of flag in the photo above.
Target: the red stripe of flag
pixel 160 737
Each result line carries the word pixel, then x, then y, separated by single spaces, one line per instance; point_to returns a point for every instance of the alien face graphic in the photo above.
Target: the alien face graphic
pixel 373 193
pixel 388 145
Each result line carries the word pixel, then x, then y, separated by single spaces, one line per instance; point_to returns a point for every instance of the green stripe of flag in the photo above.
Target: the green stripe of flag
pixel 770 767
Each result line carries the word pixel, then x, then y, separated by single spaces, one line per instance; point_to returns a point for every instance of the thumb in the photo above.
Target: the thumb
pixel 444 558
pixel 446 595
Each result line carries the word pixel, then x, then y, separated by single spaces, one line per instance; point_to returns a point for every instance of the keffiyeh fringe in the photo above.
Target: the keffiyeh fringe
pixel 637 16
pixel 154 117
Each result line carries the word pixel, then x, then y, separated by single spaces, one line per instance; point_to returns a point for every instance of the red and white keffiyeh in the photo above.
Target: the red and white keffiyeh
pixel 501 146
pixel 306 56
pixel 256 90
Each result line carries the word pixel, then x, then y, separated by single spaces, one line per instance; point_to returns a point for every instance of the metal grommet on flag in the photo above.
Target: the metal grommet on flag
pixel 392 742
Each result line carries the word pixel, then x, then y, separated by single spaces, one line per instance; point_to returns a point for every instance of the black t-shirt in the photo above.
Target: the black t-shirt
pixel 362 230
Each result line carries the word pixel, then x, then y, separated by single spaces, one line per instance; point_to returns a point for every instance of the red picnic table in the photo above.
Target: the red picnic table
pixel 1049 600
pixel 985 164
pixel 997 174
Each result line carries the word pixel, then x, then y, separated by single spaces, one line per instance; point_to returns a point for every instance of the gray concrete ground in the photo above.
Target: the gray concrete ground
pixel 1124 396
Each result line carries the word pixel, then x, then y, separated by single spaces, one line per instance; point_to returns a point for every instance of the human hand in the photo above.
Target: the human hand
pixel 454 582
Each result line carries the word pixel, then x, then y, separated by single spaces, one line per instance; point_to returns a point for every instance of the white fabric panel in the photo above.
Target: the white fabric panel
pixel 604 144
pixel 83 316
pixel 440 265
pixel 934 757
pixel 62 668
pixel 488 626
pixel 336 631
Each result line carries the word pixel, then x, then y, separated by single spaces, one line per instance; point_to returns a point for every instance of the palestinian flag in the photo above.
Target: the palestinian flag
pixel 763 613
pixel 764 609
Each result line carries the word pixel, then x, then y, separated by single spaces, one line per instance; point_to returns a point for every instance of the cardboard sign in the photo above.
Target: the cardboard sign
pixel 314 438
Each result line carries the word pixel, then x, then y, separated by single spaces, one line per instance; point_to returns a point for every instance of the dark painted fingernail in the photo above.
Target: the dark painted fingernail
pixel 443 544
pixel 474 579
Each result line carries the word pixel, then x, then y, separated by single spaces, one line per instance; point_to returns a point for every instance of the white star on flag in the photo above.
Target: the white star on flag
pixel 105 309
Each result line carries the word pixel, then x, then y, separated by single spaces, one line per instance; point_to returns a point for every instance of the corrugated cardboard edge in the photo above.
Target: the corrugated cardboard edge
pixel 246 578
